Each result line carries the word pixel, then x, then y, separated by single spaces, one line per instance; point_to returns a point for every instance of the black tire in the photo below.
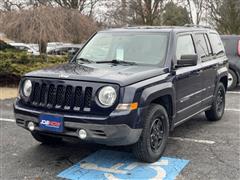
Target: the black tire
pixel 45 139
pixel 217 110
pixel 144 149
pixel 233 80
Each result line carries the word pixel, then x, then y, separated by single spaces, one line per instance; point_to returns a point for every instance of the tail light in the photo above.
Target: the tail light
pixel 239 47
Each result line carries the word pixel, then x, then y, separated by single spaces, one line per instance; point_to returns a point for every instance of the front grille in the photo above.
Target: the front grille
pixel 61 96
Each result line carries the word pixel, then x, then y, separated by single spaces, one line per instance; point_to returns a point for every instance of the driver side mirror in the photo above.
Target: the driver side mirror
pixel 187 60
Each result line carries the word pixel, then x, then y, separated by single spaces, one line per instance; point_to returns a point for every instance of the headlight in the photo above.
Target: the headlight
pixel 27 88
pixel 107 96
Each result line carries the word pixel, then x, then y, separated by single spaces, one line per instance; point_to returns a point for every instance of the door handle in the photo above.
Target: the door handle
pixel 197 72
pixel 215 66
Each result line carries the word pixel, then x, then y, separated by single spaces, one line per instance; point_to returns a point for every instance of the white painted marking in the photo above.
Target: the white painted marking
pixel 118 165
pixel 109 176
pixel 92 166
pixel 237 110
pixel 161 173
pixel 192 140
pixel 233 92
pixel 7 120
pixel 160 163
pixel 133 165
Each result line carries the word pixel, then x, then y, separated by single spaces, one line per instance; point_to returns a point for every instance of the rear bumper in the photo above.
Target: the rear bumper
pixel 102 133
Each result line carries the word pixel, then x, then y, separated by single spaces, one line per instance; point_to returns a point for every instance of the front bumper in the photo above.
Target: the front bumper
pixel 99 129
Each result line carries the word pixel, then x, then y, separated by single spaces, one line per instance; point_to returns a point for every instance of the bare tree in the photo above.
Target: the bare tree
pixel 45 24
pixel 225 15
pixel 118 13
pixel 37 3
pixel 9 5
pixel 147 10
pixel 141 12
pixel 199 6
pixel 81 5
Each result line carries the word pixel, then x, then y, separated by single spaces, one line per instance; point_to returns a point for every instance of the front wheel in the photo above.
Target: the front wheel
pixel 152 141
pixel 217 110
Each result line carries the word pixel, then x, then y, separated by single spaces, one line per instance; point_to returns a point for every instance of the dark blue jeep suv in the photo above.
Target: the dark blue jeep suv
pixel 127 86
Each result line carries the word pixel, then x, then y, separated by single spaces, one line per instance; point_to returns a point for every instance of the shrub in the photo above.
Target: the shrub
pixel 14 64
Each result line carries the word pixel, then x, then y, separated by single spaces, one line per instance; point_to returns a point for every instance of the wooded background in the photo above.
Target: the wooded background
pixel 42 21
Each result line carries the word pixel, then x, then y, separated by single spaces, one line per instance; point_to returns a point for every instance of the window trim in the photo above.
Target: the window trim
pixel 208 44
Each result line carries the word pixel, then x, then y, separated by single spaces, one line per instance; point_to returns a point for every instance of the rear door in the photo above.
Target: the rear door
pixel 212 59
pixel 188 81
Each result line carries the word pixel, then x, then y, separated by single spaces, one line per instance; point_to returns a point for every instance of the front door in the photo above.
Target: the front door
pixel 188 82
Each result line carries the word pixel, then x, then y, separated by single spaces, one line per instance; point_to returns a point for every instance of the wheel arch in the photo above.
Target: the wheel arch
pixel 222 76
pixel 224 80
pixel 162 94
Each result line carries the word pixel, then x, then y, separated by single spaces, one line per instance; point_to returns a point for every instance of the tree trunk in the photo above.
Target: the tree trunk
pixel 43 47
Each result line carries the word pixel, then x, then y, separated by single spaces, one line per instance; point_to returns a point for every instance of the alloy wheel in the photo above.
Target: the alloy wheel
pixel 156 134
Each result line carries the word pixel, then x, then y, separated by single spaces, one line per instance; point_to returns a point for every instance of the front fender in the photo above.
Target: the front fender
pixel 154 92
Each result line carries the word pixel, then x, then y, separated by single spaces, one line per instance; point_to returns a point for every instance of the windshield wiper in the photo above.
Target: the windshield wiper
pixel 115 61
pixel 85 60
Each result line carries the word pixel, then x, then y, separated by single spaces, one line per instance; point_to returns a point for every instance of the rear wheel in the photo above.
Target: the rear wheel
pixel 45 139
pixel 152 142
pixel 232 79
pixel 217 110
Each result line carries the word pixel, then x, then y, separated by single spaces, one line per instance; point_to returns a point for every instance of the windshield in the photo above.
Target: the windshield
pixel 140 48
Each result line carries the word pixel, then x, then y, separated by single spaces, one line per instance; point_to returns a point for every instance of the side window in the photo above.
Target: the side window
pixel 216 43
pixel 201 45
pixel 184 46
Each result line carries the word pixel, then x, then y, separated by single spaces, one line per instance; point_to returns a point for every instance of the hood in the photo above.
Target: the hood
pixel 108 73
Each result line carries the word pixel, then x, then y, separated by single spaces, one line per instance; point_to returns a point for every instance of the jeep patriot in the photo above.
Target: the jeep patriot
pixel 127 86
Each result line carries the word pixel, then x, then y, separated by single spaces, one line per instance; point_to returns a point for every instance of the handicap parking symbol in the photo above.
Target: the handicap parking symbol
pixel 114 165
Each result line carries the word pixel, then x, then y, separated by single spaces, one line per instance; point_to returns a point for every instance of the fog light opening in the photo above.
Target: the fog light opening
pixel 82 134
pixel 31 126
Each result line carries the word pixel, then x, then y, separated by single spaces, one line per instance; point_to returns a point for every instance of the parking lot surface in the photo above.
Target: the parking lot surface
pixel 212 149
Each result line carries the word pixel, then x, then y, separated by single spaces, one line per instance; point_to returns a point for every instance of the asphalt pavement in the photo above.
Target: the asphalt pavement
pixel 212 148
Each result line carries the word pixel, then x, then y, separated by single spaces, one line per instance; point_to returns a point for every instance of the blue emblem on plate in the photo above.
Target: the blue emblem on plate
pixel 112 165
pixel 51 123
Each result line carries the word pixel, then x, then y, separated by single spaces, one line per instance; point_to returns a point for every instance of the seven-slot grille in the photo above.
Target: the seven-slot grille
pixel 61 96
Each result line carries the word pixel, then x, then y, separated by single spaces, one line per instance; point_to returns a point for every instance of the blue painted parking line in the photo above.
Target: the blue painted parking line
pixel 112 165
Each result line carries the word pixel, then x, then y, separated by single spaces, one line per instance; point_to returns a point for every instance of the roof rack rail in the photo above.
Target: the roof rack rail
pixel 198 26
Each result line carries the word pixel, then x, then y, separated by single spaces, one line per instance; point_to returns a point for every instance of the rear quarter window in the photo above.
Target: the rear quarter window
pixel 216 43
